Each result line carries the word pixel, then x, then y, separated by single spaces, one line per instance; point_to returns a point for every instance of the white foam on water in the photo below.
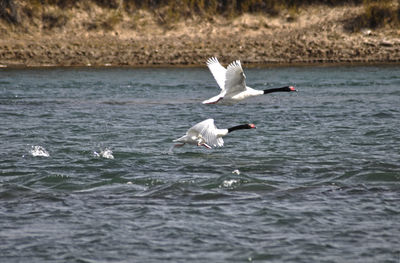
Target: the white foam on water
pixel 229 183
pixel 106 153
pixel 236 172
pixel 39 151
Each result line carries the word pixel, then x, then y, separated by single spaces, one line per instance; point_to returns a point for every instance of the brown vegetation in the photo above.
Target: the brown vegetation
pixel 186 32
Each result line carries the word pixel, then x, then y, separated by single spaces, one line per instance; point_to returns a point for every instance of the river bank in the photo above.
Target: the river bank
pixel 313 35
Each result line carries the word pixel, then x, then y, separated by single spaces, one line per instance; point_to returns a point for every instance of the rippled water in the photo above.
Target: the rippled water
pixel 86 175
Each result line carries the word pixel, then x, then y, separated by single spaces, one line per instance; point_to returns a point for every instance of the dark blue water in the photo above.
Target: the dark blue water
pixel 85 173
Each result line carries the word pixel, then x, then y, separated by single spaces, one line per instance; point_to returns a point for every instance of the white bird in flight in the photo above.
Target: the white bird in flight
pixel 206 134
pixel 232 82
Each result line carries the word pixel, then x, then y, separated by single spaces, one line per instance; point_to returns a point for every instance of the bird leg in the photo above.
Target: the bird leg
pixel 205 145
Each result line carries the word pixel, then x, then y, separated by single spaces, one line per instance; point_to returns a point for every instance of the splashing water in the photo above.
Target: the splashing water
pixel 106 153
pixel 39 151
pixel 236 171
pixel 229 183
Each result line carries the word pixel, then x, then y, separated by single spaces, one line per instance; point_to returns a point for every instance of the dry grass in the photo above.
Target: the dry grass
pixel 109 15
pixel 54 18
pixel 376 14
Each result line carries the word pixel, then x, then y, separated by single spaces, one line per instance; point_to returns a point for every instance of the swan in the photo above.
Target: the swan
pixel 206 134
pixel 232 82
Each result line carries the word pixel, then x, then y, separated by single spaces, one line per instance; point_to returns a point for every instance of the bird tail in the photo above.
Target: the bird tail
pixel 180 139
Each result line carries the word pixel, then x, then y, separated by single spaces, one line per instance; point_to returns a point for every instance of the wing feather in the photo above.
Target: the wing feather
pixel 209 133
pixel 217 70
pixel 199 127
pixel 235 78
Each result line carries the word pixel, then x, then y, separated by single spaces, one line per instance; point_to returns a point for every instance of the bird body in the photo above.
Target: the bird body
pixel 247 93
pixel 232 82
pixel 206 134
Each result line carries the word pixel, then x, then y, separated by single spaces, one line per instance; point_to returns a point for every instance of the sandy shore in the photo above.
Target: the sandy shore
pixel 313 35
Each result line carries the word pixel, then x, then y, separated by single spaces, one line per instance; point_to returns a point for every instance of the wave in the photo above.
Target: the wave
pixel 39 151
pixel 380 176
pixel 382 115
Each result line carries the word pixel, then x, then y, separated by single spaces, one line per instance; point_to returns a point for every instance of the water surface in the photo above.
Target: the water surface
pixel 86 175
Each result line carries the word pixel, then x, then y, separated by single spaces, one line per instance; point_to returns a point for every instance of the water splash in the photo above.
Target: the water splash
pixel 106 153
pixel 229 183
pixel 39 151
pixel 236 171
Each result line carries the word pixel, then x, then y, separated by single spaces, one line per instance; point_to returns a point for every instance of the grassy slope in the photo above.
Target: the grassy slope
pixel 63 32
pixel 34 15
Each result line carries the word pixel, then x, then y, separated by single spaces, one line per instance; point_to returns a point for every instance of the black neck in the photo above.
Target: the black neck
pixel 239 127
pixel 283 89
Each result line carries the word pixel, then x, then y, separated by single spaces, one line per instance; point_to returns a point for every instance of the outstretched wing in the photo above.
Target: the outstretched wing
pixel 235 78
pixel 208 132
pixel 201 126
pixel 217 70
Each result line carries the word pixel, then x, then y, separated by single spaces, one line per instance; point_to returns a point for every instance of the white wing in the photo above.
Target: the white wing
pixel 211 137
pixel 235 78
pixel 193 133
pixel 217 70
pixel 208 132
pixel 199 127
